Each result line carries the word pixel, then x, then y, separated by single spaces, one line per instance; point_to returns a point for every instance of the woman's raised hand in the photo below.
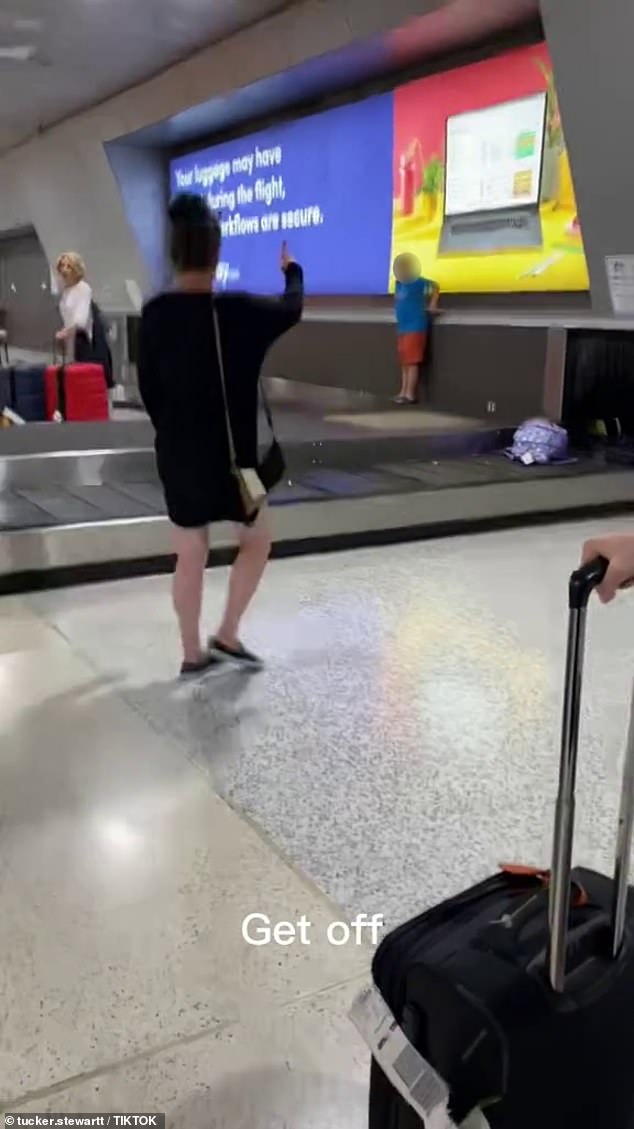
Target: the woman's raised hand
pixel 286 259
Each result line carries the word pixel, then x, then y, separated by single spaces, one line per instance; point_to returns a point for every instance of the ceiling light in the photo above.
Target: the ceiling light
pixel 27 25
pixel 18 54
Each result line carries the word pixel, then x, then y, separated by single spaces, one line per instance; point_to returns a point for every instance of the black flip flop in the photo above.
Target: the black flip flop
pixel 193 670
pixel 238 655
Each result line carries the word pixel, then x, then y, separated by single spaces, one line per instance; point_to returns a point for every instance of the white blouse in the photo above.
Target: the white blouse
pixel 74 307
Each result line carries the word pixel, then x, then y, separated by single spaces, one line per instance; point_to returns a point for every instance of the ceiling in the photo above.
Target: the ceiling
pixel 446 34
pixel 87 50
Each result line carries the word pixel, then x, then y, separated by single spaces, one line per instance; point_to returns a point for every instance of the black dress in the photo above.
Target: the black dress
pixel 180 387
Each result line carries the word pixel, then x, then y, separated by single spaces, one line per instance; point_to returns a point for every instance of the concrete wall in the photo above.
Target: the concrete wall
pixel 591 46
pixel 63 184
pixel 489 372
pixel 14 211
pixel 67 191
pixel 143 183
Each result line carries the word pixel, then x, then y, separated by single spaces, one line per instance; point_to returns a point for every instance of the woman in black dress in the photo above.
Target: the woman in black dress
pixel 181 388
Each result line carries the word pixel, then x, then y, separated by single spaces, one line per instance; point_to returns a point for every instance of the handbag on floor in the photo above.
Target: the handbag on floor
pixel 254 483
pixel 516 997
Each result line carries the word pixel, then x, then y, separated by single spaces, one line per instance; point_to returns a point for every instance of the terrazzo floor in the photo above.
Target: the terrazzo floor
pixel 402 741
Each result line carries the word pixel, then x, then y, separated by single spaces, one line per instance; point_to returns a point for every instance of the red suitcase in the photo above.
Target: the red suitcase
pixel 76 393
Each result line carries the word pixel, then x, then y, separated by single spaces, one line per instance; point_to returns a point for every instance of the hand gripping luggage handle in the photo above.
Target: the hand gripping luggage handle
pixel 584 581
pixel 582 584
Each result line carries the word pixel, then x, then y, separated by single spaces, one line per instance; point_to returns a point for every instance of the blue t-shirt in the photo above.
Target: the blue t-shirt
pixel 411 305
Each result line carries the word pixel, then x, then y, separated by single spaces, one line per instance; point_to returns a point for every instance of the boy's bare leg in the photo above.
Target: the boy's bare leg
pixel 411 381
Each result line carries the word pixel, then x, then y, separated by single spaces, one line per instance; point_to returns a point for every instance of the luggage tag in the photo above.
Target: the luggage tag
pixel 410 1074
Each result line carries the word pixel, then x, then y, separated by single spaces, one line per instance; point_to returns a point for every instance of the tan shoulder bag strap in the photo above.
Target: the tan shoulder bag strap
pixel 223 384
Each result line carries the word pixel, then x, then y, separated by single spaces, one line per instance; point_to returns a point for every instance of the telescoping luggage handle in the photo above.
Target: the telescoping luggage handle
pixel 582 584
pixel 60 378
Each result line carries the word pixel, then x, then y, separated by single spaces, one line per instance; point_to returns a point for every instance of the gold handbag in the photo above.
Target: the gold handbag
pixel 252 491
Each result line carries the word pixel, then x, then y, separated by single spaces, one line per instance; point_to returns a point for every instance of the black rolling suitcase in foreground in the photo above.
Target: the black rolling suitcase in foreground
pixel 520 991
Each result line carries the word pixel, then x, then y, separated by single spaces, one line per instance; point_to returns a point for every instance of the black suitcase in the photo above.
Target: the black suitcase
pixel 22 390
pixel 520 991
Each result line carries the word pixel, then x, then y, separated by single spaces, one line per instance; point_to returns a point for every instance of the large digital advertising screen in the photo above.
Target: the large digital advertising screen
pixel 351 188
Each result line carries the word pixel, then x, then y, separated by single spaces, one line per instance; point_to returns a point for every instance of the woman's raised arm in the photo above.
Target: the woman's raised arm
pixel 275 316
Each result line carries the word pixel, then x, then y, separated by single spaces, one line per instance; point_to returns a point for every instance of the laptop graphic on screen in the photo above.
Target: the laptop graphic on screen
pixel 493 178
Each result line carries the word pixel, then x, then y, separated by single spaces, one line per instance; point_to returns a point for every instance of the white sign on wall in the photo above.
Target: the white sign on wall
pixel 620 272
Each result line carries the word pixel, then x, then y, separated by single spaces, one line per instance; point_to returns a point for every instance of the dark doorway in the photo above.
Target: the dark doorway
pixel 25 292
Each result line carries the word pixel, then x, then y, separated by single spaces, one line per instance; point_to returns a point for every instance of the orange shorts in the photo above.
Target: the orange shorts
pixel 411 348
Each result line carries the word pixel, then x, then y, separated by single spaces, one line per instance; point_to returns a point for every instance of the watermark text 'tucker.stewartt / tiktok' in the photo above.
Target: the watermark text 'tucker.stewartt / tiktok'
pixel 95 1120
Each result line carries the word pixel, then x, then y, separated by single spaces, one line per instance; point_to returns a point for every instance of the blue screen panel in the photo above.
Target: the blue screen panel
pixel 323 183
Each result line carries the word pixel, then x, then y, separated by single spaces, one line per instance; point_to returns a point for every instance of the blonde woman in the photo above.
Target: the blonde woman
pixel 83 337
pixel 75 305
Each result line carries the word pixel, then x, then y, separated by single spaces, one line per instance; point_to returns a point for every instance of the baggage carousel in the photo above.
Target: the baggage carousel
pixel 81 515
pixel 81 502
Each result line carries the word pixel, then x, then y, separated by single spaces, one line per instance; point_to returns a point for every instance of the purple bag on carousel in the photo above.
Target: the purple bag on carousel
pixel 539 442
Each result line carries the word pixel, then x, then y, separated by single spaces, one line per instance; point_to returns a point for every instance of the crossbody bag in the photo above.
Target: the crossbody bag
pixel 254 483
